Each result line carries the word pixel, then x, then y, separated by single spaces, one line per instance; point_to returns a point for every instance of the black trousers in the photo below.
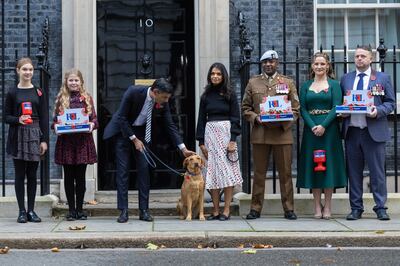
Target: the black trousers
pixel 28 169
pixel 75 185
pixel 123 158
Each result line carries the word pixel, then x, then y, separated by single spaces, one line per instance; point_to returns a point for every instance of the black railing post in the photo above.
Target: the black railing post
pixel 298 120
pixel 3 126
pixel 382 54
pixel 245 50
pixel 44 85
pixel 395 146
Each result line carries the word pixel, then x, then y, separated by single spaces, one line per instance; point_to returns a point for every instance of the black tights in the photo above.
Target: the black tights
pixel 75 184
pixel 29 169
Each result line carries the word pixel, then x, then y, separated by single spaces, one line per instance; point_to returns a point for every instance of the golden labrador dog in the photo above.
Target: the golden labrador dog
pixel 191 203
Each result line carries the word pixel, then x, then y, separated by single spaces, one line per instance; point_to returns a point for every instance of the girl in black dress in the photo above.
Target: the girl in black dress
pixel 27 136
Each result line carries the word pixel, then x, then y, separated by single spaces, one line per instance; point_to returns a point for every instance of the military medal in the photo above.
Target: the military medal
pixel 282 88
pixel 378 90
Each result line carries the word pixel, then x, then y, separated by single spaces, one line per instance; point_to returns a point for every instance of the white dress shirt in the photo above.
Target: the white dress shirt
pixel 360 120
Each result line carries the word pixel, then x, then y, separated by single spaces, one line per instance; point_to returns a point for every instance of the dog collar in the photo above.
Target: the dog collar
pixel 189 174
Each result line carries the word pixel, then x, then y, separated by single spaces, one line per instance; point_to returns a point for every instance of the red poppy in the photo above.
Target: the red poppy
pixel 373 77
pixel 158 106
pixel 39 92
pixel 81 98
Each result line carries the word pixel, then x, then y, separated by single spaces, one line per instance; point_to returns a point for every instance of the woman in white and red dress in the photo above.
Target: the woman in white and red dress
pixel 217 128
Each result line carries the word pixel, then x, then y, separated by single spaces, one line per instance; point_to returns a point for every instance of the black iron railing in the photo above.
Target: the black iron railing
pixel 9 78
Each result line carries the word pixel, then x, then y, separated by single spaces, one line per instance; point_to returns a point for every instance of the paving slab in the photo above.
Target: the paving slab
pixel 299 225
pixel 106 224
pixel 10 225
pixel 372 224
pixel 174 224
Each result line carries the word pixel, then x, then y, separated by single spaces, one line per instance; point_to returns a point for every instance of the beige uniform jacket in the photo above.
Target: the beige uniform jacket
pixel 256 89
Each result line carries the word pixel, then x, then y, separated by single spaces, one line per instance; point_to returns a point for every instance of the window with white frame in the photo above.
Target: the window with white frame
pixel 354 22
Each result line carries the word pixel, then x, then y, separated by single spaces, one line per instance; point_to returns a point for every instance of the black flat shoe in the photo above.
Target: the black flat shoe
pixel 123 217
pixel 290 215
pixel 253 214
pixel 22 218
pixel 33 217
pixel 71 216
pixel 213 217
pixel 354 215
pixel 223 217
pixel 382 215
pixel 145 216
pixel 81 215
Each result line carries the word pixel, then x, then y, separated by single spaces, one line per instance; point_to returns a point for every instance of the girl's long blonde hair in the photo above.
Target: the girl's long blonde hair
pixel 63 96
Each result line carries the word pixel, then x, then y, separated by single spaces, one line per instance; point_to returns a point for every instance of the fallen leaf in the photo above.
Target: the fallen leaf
pixel 327 261
pixel 200 246
pixel 268 246
pixel 55 249
pixel 339 249
pixel 241 246
pixel 4 250
pixel 162 246
pixel 151 246
pixel 258 246
pixel 92 202
pixel 250 251
pixel 77 227
pixel 295 261
pixel 380 232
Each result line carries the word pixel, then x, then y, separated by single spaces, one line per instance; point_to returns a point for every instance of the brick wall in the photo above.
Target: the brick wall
pixel 15 37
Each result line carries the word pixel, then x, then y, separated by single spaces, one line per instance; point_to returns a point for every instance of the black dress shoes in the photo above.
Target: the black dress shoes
pixel 32 217
pixel 123 217
pixel 145 216
pixel 290 215
pixel 22 218
pixel 81 215
pixel 253 214
pixel 71 216
pixel 382 215
pixel 354 215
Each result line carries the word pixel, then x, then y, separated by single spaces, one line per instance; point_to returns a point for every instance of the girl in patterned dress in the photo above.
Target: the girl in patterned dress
pixel 27 137
pixel 75 151
pixel 217 128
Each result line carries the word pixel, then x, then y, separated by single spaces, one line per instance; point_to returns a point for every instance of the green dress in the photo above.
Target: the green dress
pixel 335 174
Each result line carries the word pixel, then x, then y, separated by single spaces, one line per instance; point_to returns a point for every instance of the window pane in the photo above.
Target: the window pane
pixel 389 27
pixel 363 1
pixel 361 28
pixel 330 28
pixel 331 1
pixel 390 1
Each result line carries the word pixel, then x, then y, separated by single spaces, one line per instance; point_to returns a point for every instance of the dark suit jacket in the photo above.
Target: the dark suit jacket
pixel 129 109
pixel 378 127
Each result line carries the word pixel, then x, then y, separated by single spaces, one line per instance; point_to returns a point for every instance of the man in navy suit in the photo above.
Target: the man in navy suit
pixel 365 135
pixel 128 128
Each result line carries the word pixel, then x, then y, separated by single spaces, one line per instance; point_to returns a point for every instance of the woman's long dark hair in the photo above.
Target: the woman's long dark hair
pixel 224 87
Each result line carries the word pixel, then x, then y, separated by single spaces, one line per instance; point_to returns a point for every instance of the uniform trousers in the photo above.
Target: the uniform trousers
pixel 282 154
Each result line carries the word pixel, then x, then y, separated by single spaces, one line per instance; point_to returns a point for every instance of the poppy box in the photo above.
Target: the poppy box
pixel 276 108
pixel 356 102
pixel 73 120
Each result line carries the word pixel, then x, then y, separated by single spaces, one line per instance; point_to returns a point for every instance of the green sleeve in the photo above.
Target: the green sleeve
pixel 336 100
pixel 303 106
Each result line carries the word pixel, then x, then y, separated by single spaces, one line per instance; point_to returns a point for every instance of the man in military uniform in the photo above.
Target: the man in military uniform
pixel 270 137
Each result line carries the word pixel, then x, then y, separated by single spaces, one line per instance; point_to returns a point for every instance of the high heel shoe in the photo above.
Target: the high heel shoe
pixel 318 216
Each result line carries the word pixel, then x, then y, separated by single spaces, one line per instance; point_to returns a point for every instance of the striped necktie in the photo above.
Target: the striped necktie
pixel 147 136
pixel 360 84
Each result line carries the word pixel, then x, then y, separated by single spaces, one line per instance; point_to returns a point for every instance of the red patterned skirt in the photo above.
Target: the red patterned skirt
pixel 221 172
pixel 77 148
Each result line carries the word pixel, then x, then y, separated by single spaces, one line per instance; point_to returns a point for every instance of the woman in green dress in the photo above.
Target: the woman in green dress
pixel 318 98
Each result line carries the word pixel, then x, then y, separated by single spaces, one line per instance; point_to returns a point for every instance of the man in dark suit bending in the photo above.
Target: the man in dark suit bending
pixel 131 125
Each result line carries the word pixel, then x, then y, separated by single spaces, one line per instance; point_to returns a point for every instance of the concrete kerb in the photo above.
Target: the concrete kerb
pixel 196 240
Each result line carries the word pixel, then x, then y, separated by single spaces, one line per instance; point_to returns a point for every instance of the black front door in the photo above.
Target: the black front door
pixel 140 40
